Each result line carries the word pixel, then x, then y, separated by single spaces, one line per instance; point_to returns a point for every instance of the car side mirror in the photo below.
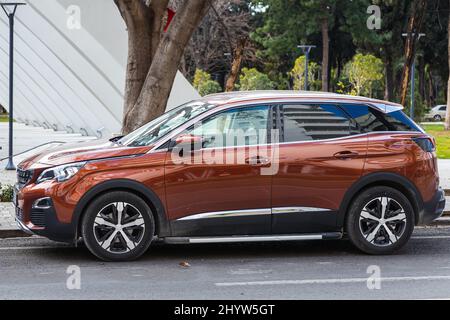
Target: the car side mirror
pixel 188 139
pixel 186 142
pixel 115 139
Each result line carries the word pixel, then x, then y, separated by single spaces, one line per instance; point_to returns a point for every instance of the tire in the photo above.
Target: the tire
pixel 437 118
pixel 369 231
pixel 111 241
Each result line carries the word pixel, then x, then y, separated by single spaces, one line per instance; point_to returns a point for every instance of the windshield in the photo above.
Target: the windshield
pixel 158 128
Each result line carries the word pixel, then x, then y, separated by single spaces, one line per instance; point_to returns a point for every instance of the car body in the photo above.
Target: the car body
pixel 327 166
pixel 437 113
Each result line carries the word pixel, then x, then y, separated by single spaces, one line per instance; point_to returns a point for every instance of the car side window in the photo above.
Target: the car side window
pixel 309 122
pixel 373 120
pixel 443 108
pixel 245 126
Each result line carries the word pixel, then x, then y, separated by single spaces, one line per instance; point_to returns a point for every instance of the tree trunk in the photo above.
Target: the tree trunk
pixel 447 116
pixel 156 89
pixel 431 88
pixel 414 25
pixel 422 80
pixel 389 77
pixel 325 54
pixel 236 65
pixel 137 17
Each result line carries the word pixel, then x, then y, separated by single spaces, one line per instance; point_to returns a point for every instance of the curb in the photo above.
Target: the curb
pixel 4 234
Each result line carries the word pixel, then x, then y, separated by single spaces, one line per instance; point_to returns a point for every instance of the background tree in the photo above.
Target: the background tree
pixel 204 84
pixel 363 71
pixel 252 79
pixel 221 41
pixel 447 118
pixel 415 23
pixel 153 54
pixel 298 74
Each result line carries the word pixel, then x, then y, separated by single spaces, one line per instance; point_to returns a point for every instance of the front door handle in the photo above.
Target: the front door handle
pixel 257 161
pixel 344 155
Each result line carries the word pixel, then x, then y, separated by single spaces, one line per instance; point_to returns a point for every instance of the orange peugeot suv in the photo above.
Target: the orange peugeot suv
pixel 240 167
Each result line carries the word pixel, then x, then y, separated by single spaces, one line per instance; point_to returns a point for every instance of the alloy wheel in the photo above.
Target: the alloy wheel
pixel 382 221
pixel 119 227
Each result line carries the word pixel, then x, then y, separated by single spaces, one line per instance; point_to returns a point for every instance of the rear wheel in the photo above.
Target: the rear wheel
pixel 437 118
pixel 380 220
pixel 118 226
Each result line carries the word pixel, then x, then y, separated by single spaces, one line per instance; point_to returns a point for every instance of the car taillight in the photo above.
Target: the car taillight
pixel 426 143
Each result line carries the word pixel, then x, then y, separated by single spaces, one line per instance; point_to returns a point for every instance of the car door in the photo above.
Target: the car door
pixel 320 157
pixel 218 188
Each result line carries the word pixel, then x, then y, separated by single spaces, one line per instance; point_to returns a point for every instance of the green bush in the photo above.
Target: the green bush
pixel 204 84
pixel 252 79
pixel 209 87
pixel 6 193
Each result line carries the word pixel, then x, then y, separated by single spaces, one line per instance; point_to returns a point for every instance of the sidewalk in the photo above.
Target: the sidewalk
pixel 444 173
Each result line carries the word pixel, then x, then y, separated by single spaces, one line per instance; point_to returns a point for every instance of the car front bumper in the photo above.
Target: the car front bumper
pixel 41 221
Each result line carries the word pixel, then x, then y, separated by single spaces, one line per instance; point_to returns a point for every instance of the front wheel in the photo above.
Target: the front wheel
pixel 118 226
pixel 380 220
pixel 437 118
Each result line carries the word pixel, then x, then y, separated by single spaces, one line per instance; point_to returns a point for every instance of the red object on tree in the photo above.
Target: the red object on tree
pixel 170 15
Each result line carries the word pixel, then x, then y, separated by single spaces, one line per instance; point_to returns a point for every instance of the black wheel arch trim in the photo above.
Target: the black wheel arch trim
pixel 162 224
pixel 389 179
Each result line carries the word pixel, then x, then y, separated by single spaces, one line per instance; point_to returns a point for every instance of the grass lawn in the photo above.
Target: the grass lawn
pixel 442 139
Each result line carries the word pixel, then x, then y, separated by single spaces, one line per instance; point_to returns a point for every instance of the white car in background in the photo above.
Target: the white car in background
pixel 437 113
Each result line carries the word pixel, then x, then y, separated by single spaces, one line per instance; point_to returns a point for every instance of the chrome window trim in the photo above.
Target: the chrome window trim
pixel 300 142
pixel 379 106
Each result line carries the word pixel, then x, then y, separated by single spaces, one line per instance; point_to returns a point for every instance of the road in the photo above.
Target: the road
pixel 35 268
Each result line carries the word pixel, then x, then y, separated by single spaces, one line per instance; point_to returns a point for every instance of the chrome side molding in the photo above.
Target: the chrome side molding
pixel 297 210
pixel 251 212
pixel 256 238
pixel 228 214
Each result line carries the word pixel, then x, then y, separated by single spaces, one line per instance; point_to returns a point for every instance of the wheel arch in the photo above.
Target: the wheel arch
pixel 161 222
pixel 392 180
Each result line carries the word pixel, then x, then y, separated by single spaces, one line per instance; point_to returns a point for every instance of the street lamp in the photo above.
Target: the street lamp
pixel 10 10
pixel 413 72
pixel 306 50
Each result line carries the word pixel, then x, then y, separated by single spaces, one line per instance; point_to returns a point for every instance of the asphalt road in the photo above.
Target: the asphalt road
pixel 35 268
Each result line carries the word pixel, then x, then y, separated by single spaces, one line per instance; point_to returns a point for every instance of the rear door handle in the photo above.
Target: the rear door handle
pixel 343 155
pixel 257 161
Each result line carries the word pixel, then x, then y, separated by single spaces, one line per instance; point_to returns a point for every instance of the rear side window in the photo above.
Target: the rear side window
pixel 313 122
pixel 372 120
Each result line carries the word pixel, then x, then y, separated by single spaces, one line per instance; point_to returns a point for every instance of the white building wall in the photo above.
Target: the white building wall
pixel 71 78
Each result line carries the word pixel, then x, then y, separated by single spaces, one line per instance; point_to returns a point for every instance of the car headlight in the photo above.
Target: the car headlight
pixel 61 173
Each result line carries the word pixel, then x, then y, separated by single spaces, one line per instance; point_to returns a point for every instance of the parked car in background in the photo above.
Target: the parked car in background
pixel 334 166
pixel 437 113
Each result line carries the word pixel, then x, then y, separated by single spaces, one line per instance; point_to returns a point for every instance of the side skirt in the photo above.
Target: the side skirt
pixel 256 238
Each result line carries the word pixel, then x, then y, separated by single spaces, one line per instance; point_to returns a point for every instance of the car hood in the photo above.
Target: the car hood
pixel 78 152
